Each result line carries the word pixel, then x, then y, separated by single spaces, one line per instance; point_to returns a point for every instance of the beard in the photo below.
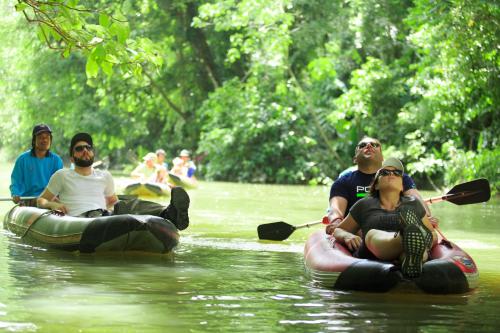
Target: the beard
pixel 83 163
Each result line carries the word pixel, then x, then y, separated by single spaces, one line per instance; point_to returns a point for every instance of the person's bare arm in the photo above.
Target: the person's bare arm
pixel 138 172
pixel 47 200
pixel 111 200
pixel 346 233
pixel 338 206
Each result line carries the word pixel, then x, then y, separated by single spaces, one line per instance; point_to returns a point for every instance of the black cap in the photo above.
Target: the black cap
pixel 80 137
pixel 40 128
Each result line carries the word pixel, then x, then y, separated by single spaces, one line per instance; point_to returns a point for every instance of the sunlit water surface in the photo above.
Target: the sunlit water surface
pixel 221 278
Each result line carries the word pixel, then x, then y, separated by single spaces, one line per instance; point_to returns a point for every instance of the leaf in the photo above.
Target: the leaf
pixel 55 34
pixel 137 71
pixel 67 52
pixel 41 34
pixel 120 30
pixel 112 58
pixel 107 68
pixel 99 53
pixel 104 20
pixel 21 6
pixel 92 69
pixel 99 30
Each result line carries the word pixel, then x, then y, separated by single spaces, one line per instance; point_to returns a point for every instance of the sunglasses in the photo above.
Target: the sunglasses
pixel 82 147
pixel 386 172
pixel 362 145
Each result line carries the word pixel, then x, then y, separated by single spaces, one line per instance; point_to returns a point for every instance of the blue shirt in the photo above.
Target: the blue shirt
pixel 31 174
pixel 354 185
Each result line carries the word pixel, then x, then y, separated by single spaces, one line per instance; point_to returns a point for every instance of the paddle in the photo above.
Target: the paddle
pixel 467 193
pixel 21 198
pixel 462 194
pixel 279 231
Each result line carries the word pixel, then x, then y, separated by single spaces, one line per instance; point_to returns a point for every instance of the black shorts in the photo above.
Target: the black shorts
pixel 364 253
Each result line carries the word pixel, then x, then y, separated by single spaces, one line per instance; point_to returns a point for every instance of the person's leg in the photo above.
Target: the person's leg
pixel 139 207
pixel 409 217
pixel 414 248
pixel 383 244
pixel 176 212
pixel 417 239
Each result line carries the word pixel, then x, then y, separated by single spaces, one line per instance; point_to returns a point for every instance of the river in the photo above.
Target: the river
pixel 223 279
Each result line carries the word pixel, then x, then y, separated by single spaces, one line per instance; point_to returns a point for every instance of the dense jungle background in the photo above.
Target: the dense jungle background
pixel 259 91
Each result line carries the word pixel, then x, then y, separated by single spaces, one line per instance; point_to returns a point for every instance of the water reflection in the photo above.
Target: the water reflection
pixel 222 279
pixel 389 311
pixel 207 289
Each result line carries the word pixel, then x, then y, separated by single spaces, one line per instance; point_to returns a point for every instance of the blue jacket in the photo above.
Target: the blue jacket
pixel 31 175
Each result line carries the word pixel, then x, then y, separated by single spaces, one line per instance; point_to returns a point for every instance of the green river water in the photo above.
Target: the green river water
pixel 222 279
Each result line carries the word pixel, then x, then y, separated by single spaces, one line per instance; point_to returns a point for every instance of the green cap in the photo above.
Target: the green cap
pixel 393 162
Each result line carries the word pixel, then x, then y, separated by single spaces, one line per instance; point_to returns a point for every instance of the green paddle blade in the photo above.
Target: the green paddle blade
pixel 275 231
pixel 470 192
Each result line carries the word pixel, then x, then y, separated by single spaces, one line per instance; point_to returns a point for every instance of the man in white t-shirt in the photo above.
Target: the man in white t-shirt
pixel 85 191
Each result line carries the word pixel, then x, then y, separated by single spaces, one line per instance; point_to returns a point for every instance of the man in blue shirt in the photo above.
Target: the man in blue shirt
pixel 353 185
pixel 34 167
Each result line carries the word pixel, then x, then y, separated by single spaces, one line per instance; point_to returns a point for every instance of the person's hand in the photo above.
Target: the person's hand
pixel 330 228
pixel 59 207
pixel 353 242
pixel 16 199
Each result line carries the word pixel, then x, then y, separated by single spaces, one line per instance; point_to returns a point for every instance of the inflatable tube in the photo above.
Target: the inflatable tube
pixel 449 271
pixel 147 189
pixel 40 227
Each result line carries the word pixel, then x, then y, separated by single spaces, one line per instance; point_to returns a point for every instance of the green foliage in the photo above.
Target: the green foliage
pixel 262 91
pixel 466 165
pixel 99 29
pixel 252 135
pixel 260 29
pixel 455 86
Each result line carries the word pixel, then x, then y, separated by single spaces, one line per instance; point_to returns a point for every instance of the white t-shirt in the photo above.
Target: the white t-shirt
pixel 82 193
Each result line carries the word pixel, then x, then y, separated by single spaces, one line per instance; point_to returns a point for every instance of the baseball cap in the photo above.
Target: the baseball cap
pixel 40 128
pixel 149 156
pixel 393 162
pixel 160 151
pixel 80 137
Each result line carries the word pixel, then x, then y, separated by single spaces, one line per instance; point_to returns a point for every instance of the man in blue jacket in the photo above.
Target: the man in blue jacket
pixel 34 167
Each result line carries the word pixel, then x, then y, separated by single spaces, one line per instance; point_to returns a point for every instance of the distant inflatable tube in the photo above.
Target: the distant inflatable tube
pixel 147 189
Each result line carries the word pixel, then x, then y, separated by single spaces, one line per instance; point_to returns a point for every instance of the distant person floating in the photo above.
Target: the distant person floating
pixel 149 170
pixel 183 166
pixel 160 158
pixel 34 167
